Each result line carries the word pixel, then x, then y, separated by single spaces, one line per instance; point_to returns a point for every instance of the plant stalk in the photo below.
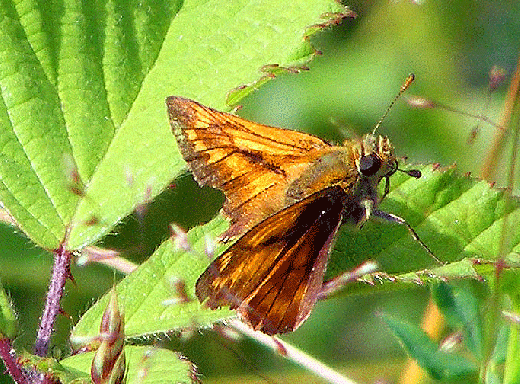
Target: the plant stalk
pixel 60 274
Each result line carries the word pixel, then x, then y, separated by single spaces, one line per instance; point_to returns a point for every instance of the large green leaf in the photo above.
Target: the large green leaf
pixel 458 217
pixel 84 134
pixel 431 203
pixel 145 296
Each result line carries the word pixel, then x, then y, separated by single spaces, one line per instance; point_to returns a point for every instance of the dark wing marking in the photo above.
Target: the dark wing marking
pixel 274 272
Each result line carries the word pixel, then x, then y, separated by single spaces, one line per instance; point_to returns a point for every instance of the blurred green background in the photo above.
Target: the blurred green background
pixel 450 46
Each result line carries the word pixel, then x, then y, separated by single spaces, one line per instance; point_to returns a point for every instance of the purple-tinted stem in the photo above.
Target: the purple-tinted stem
pixel 60 273
pixel 9 359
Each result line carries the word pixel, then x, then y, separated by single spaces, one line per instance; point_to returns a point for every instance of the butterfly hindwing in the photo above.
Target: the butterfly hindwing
pixel 274 272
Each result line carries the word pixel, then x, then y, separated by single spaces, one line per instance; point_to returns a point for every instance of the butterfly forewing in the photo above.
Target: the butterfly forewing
pixel 274 272
pixel 250 162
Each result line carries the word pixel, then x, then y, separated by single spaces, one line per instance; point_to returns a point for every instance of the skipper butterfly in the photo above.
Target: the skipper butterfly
pixel 287 193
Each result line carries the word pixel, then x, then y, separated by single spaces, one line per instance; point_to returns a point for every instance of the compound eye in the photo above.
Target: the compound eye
pixel 369 165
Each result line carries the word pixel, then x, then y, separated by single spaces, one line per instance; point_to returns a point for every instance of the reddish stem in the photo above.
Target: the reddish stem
pixel 9 359
pixel 60 274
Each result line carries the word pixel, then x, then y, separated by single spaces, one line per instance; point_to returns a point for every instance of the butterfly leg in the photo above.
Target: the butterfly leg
pixel 335 284
pixel 387 188
pixel 401 221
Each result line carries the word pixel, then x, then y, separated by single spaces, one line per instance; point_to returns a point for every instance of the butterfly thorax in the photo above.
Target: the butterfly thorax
pixel 357 167
pixel 333 166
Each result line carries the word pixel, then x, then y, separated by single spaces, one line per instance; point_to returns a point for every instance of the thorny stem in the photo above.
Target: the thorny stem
pixel 60 274
pixel 505 238
pixel 510 120
pixel 488 169
pixel 9 359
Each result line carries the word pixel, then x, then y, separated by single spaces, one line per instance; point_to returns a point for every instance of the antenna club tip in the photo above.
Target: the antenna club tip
pixel 409 80
pixel 404 87
pixel 415 173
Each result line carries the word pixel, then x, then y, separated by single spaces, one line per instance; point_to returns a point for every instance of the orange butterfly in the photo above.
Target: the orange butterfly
pixel 287 193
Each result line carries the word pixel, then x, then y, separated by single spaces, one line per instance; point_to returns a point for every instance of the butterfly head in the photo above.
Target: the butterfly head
pixel 376 157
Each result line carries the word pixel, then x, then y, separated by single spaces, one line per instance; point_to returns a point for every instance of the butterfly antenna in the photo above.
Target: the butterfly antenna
pixel 409 80
pixel 415 173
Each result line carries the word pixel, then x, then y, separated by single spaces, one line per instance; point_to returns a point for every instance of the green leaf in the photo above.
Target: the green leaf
pixel 54 369
pixel 442 190
pixel 460 306
pixel 440 365
pixel 144 365
pixel 8 323
pixel 510 285
pixel 500 351
pixel 85 137
pixel 459 218
pixel 512 366
pixel 144 295
pixel 493 377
